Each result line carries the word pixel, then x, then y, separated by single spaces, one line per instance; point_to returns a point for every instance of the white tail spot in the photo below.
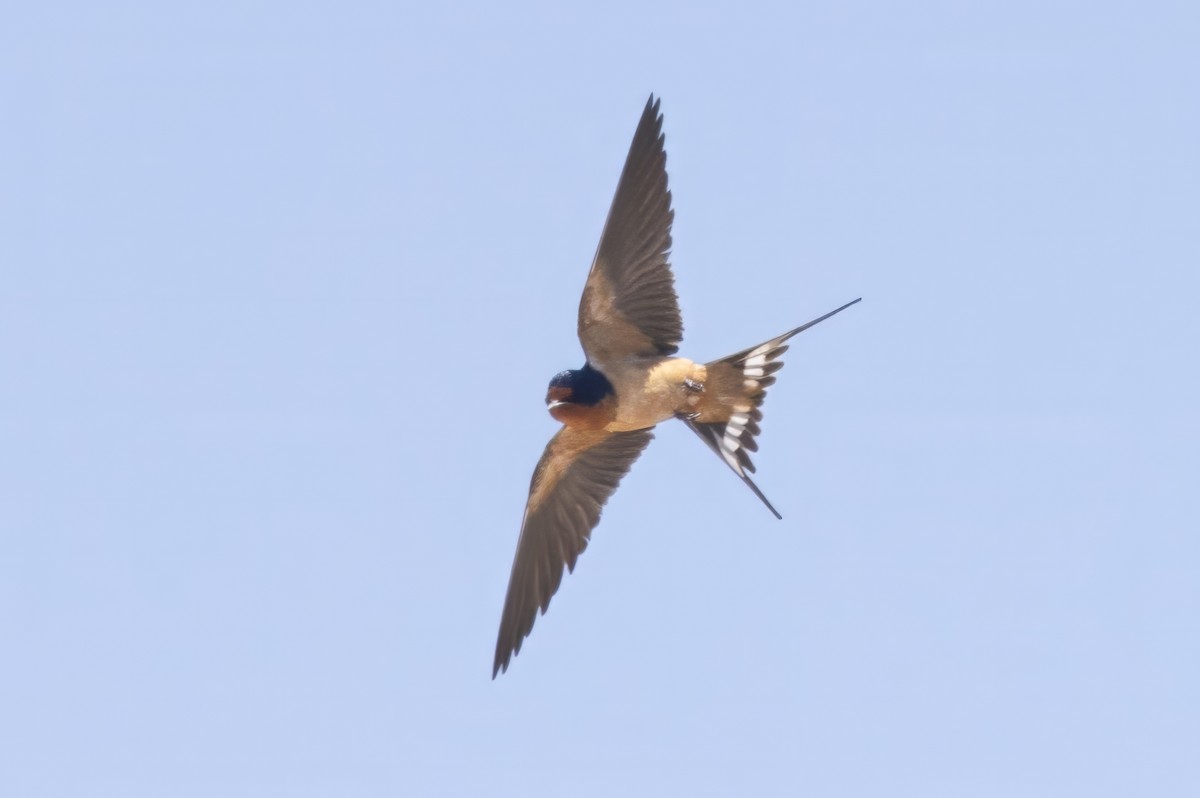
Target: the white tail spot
pixel 731 443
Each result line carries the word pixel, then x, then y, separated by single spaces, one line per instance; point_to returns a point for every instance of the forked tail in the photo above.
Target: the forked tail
pixel 729 409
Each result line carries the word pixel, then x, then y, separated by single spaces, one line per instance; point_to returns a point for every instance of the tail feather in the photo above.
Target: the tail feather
pixel 734 390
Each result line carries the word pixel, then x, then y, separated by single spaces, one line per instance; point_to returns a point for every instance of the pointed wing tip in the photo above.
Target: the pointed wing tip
pixel 500 664
pixel 653 106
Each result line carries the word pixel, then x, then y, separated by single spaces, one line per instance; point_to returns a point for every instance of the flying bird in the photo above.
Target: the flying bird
pixel 630 328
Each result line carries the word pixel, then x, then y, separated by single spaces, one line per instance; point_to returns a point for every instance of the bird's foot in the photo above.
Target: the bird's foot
pixel 692 385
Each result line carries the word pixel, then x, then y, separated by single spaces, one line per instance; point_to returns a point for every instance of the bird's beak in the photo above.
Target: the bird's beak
pixel 557 396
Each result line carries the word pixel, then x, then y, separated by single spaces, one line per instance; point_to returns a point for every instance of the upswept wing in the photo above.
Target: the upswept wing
pixel 629 306
pixel 577 474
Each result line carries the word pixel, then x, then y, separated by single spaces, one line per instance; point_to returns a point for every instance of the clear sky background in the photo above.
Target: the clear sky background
pixel 282 287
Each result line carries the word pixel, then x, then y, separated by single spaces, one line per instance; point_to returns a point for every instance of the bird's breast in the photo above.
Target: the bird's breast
pixel 651 390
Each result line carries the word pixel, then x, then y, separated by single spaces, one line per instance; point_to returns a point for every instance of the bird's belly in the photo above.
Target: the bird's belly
pixel 650 392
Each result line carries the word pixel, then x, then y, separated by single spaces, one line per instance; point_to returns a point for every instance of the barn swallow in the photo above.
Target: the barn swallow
pixel 630 328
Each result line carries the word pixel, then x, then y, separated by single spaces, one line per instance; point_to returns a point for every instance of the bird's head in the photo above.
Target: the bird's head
pixel 561 389
pixel 573 394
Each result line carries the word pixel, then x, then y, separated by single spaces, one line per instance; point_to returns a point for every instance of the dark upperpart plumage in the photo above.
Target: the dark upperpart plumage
pixel 588 386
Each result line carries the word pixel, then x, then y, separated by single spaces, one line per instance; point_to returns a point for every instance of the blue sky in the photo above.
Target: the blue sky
pixel 283 284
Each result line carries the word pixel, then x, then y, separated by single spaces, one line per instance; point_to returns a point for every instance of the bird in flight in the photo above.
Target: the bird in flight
pixel 630 328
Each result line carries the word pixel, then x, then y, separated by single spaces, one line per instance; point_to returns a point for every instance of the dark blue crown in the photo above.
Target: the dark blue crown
pixel 588 386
